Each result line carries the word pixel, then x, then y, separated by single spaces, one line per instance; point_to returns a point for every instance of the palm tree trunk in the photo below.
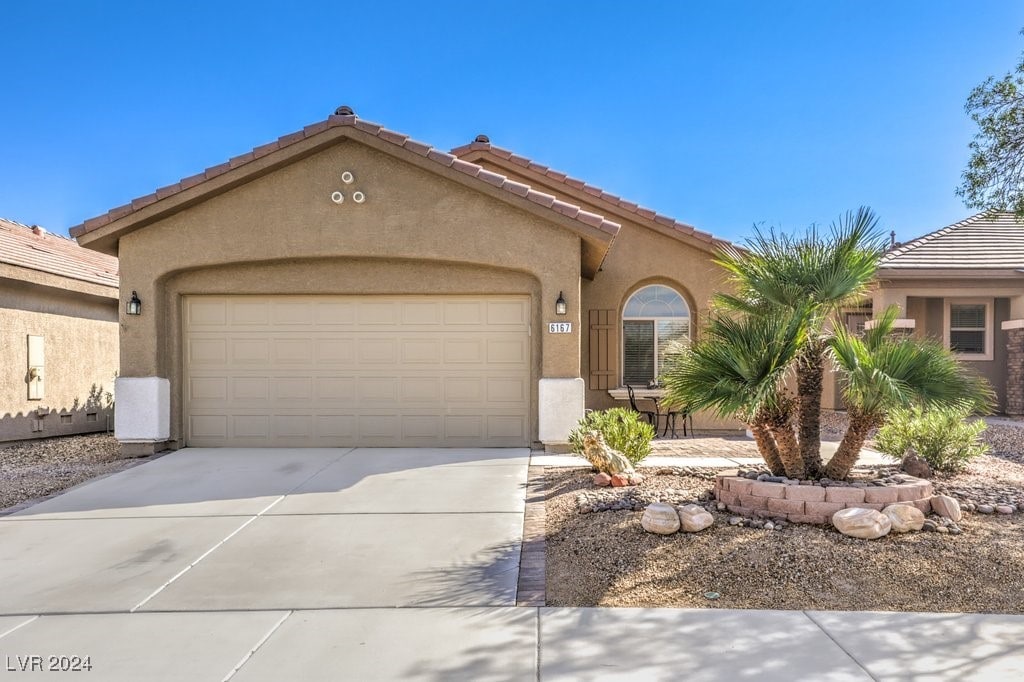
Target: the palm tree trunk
pixel 789 449
pixel 849 448
pixel 810 370
pixel 767 448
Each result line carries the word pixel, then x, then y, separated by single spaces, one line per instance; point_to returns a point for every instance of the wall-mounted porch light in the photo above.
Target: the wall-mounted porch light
pixel 134 306
pixel 560 304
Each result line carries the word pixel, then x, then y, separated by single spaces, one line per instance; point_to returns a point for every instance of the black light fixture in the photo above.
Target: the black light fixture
pixel 560 304
pixel 134 306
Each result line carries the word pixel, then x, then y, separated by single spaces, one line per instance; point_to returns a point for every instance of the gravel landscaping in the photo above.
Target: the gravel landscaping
pixel 598 554
pixel 39 468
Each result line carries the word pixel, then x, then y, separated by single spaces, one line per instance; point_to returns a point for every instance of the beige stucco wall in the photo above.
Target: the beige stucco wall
pixel 80 335
pixel 416 233
pixel 639 256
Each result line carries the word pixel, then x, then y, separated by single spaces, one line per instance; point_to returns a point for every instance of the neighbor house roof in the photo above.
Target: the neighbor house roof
pixel 34 248
pixel 481 147
pixel 596 229
pixel 983 242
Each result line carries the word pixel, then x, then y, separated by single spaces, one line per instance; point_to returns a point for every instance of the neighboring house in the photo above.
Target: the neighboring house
pixel 346 285
pixel 58 334
pixel 964 285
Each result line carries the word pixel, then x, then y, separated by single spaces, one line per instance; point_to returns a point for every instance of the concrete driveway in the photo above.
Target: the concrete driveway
pixel 387 565
pixel 248 564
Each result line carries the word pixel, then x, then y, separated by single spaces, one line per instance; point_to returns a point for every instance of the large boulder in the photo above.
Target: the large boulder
pixel 904 517
pixel 660 518
pixel 944 505
pixel 866 524
pixel 604 459
pixel 915 465
pixel 694 518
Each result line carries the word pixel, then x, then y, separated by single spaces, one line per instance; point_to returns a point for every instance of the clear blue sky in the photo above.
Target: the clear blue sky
pixel 722 114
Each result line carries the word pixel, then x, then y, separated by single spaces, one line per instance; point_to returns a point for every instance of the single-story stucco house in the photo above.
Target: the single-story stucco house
pixel 346 285
pixel 58 334
pixel 964 285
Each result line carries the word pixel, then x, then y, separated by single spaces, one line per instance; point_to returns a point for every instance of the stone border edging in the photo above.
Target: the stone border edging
pixel 809 503
pixel 531 589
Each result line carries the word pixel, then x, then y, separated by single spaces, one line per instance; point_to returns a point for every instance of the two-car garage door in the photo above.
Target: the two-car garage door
pixel 322 371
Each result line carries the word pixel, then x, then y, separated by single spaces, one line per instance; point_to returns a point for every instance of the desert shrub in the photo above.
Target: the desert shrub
pixel 623 430
pixel 942 437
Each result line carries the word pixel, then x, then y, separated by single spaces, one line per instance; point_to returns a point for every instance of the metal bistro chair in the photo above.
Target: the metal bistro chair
pixel 651 417
pixel 671 415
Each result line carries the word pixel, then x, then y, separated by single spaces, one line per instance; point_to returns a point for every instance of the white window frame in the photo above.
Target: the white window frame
pixel 989 304
pixel 622 328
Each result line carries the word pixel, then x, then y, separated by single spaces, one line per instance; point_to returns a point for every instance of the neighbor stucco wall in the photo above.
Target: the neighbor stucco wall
pixel 924 301
pixel 416 233
pixel 80 338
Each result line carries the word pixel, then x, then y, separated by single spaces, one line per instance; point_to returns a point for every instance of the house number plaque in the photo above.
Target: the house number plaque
pixel 559 327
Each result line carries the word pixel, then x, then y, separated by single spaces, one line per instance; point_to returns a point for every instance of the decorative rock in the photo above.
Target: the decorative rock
pixel 769 526
pixel 660 518
pixel 942 530
pixel 946 506
pixel 914 465
pixel 867 524
pixel 1004 509
pixel 602 480
pixel 929 525
pixel 635 479
pixel 986 509
pixel 694 518
pixel 904 517
pixel 735 520
pixel 720 506
pixel 620 480
pixel 603 457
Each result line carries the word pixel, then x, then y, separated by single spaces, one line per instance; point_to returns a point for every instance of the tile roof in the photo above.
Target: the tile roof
pixel 982 242
pixel 596 192
pixel 36 249
pixel 442 158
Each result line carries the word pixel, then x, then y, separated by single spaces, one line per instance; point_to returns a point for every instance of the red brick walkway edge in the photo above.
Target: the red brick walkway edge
pixel 808 503
pixel 531 590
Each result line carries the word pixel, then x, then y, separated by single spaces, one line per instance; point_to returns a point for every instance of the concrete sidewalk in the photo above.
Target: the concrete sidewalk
pixel 509 643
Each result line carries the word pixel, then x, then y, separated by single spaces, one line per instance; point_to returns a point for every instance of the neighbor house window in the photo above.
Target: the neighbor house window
pixel 968 327
pixel 654 317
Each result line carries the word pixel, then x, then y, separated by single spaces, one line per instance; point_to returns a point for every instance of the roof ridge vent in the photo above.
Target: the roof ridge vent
pixel 482 138
pixel 344 110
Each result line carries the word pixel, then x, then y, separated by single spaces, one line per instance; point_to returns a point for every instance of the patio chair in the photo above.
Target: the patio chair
pixel 671 415
pixel 651 417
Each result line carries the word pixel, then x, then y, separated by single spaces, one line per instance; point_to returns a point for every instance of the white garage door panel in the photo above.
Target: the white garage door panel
pixel 337 370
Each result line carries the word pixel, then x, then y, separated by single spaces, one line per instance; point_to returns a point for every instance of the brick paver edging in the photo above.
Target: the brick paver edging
pixel 531 590
pixel 809 503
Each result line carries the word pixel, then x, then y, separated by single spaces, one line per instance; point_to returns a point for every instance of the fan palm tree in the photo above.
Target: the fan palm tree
pixel 814 274
pixel 739 368
pixel 882 372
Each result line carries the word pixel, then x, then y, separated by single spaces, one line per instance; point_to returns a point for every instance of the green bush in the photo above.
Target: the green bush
pixel 942 437
pixel 622 429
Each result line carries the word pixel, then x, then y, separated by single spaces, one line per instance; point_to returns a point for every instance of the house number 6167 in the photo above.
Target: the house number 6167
pixel 559 327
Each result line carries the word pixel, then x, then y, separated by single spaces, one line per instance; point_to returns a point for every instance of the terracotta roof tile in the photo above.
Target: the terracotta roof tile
pixel 237 161
pixel 398 139
pixel 601 194
pixel 417 147
pixel 37 249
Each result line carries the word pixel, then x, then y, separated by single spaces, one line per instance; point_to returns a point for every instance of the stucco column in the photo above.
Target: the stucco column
pixel 561 390
pixel 1014 366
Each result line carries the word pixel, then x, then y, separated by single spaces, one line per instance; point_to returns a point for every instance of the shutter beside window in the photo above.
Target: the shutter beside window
pixel 602 365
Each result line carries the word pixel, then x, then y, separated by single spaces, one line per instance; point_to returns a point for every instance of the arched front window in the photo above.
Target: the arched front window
pixel 653 318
